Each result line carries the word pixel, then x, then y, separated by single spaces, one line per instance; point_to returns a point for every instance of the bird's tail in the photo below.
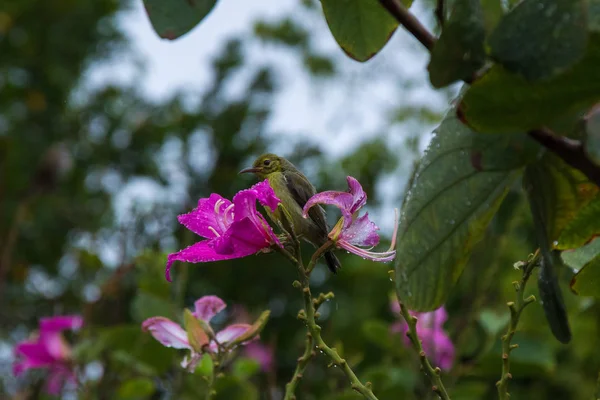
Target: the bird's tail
pixel 332 262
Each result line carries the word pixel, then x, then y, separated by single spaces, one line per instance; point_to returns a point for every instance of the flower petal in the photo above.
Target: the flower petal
pixel 55 345
pixel 232 332
pixel 266 195
pixel 243 238
pixel 385 256
pixel 261 353
pixel 167 332
pixel 438 346
pixel 210 219
pixel 362 232
pixel 207 307
pixel 198 252
pixel 348 202
pixel 61 323
pixel 34 355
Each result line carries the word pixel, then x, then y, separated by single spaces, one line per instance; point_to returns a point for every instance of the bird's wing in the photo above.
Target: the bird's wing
pixel 302 190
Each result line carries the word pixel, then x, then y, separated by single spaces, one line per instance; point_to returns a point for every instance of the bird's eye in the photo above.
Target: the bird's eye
pixel 267 162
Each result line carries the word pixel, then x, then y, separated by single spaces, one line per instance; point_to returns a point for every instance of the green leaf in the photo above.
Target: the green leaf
pixel 501 101
pixel 547 195
pixel 360 27
pixel 583 227
pixel 136 388
pixel 458 187
pixel 592 134
pixel 561 192
pixel 587 281
pixel 577 258
pixel 459 52
pixel 171 19
pixel 492 12
pixel 196 335
pixel 245 368
pixel 541 38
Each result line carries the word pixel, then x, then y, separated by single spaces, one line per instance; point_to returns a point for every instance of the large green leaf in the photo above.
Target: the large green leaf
pixel 360 27
pixel 540 38
pixel 501 101
pixel 457 189
pixel 171 19
pixel 587 281
pixel 459 52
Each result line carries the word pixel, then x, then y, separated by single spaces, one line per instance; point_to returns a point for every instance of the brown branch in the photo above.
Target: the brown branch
pixel 410 22
pixel 569 150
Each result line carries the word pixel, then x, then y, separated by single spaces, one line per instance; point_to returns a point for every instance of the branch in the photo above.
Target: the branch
pixel 515 314
pixel 437 386
pixel 440 12
pixel 410 22
pixel 309 315
pixel 290 388
pixel 569 150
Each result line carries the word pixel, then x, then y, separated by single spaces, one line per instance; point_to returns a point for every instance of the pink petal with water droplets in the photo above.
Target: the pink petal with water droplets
pixel 266 195
pixel 208 215
pixel 362 232
pixel 207 307
pixel 198 252
pixel 167 332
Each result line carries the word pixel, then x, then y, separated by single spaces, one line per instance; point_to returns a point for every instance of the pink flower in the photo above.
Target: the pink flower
pixel 49 350
pixel 352 231
pixel 171 334
pixel 233 230
pixel 435 341
pixel 261 353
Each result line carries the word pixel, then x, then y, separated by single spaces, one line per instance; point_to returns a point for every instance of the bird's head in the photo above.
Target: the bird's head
pixel 265 165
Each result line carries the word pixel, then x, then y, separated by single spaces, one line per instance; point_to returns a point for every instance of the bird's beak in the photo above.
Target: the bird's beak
pixel 249 170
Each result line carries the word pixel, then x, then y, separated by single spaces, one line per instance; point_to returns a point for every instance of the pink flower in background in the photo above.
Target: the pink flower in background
pixel 430 329
pixel 261 353
pixel 49 350
pixel 352 231
pixel 171 334
pixel 232 229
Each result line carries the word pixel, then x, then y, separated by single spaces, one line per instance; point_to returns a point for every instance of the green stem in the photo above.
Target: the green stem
pixel 515 314
pixel 320 251
pixel 303 361
pixel 210 380
pixel 437 386
pixel 314 329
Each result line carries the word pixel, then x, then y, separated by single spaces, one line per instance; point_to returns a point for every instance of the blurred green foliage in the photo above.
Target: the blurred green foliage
pixel 65 246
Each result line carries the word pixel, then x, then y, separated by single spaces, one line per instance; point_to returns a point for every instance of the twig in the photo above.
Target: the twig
pixel 440 12
pixel 313 261
pixel 303 361
pixel 410 22
pixel 515 314
pixel 309 315
pixel 437 386
pixel 569 150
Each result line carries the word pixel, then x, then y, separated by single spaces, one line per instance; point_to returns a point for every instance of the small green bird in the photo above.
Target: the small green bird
pixel 294 190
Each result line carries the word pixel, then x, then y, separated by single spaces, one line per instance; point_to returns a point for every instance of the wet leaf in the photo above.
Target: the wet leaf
pixel 360 27
pixel 458 187
pixel 583 227
pixel 540 38
pixel 171 19
pixel 459 52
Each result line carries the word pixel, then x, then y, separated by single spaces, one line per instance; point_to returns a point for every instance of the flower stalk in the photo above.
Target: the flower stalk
pixel 515 313
pixel 433 374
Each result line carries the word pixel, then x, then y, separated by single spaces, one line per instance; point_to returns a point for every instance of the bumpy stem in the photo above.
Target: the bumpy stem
pixel 303 361
pixel 434 374
pixel 515 313
pixel 309 315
